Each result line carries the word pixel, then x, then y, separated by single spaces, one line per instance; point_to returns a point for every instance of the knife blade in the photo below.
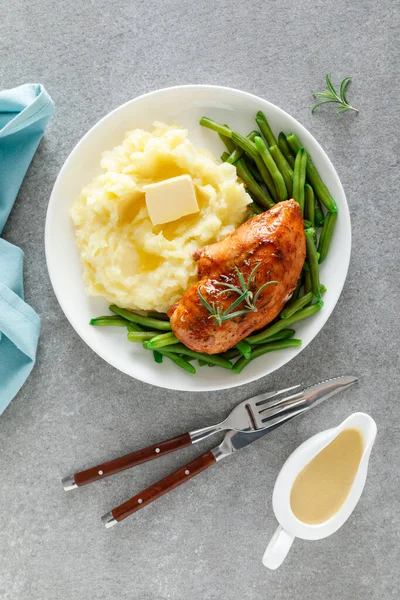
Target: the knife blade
pixel 310 396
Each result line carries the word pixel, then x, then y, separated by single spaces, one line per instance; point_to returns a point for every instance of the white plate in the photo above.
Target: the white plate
pixel 184 104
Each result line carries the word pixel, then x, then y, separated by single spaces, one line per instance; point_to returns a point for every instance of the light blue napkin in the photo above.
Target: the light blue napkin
pixel 24 113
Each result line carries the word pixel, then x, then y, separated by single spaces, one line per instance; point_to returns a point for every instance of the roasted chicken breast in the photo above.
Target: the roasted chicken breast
pixel 274 242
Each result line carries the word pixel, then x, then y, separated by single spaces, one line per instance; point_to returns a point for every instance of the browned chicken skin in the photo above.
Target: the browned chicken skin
pixel 275 241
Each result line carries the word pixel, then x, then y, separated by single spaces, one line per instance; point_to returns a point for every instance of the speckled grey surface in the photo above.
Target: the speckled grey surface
pixel 205 541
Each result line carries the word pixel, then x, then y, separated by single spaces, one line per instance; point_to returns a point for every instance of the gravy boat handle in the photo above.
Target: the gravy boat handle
pixel 277 549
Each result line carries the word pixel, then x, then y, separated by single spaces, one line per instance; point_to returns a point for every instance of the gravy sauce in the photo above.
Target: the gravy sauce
pixel 323 485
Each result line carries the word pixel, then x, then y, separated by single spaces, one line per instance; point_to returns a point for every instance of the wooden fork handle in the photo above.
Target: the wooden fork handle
pixel 131 460
pixel 199 464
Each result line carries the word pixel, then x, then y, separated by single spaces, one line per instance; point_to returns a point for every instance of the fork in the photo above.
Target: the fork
pixel 250 415
pixel 248 422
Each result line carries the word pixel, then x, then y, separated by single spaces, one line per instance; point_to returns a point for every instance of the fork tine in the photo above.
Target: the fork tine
pixel 279 401
pixel 261 398
pixel 287 416
pixel 263 408
pixel 283 407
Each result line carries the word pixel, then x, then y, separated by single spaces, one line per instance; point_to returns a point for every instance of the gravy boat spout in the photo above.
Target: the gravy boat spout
pixel 289 525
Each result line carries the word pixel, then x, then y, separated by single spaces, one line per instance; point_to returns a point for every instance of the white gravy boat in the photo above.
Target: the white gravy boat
pixel 289 525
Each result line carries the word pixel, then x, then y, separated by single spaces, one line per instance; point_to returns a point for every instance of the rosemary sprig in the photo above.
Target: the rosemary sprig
pixel 243 292
pixel 332 95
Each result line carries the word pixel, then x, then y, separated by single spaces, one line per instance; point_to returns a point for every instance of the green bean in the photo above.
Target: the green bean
pixel 231 146
pixel 235 155
pixel 158 357
pixel 306 265
pixel 294 305
pixel 307 224
pixel 267 177
pixel 299 177
pixel 286 154
pixel 265 129
pixel 108 321
pixel 251 183
pixel 286 149
pixel 284 167
pixel 296 292
pixel 326 235
pixel 244 348
pixel 319 215
pixel 253 169
pixel 315 238
pixel 243 141
pixel 134 327
pixel 307 282
pixel 238 152
pixel 276 149
pixel 141 336
pixel 259 194
pixel 307 273
pixel 300 283
pixel 145 321
pixel 247 145
pixel 157 315
pixel 255 208
pixel 283 323
pixel 284 334
pixel 263 349
pixel 215 126
pixel 211 358
pixel 160 340
pixel 313 262
pixel 204 363
pixel 224 156
pixel 269 162
pixel 229 354
pixel 250 148
pixel 240 140
pixel 178 360
pixel 313 176
pixel 309 206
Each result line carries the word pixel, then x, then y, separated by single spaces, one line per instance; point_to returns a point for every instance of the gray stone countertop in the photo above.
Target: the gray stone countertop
pixel 205 541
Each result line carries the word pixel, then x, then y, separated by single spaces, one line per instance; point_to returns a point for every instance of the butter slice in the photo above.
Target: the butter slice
pixel 170 199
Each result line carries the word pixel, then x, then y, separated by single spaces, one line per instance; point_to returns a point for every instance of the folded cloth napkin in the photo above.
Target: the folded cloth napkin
pixel 24 113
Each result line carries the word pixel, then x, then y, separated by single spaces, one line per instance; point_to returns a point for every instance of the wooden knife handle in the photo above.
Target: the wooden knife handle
pixel 199 464
pixel 131 460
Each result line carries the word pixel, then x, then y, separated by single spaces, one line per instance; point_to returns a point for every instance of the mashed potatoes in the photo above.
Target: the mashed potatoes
pixel 125 258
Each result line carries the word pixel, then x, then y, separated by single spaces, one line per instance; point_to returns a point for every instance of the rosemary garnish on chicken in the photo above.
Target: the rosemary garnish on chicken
pixel 243 292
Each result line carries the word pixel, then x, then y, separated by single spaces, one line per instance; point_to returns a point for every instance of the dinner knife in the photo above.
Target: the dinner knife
pixel 233 441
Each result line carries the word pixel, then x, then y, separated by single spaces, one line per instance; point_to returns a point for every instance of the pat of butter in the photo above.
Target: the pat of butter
pixel 170 199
